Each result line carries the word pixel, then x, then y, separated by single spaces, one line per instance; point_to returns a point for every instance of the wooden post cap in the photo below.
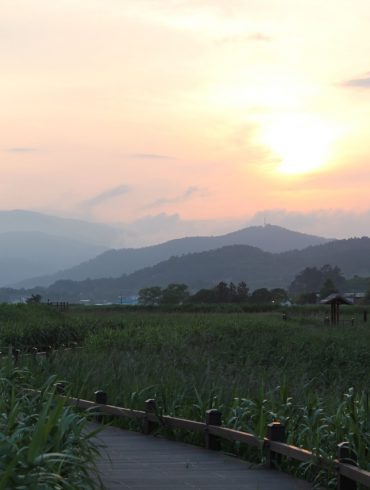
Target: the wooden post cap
pixel 276 431
pixel 213 417
pixel 101 397
pixel 150 405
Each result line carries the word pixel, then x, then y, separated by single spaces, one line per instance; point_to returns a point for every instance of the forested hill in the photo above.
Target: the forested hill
pixel 114 263
pixel 351 255
pixel 232 263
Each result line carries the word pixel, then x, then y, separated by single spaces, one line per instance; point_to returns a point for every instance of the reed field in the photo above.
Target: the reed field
pixel 44 444
pixel 254 367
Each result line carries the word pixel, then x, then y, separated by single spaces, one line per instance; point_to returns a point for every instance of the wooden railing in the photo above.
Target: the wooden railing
pixel 59 305
pixel 43 351
pixel 345 465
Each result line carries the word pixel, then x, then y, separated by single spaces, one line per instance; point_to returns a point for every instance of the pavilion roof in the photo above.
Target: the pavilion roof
pixel 336 298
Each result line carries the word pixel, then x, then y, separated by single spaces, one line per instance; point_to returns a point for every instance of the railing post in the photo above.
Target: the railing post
pixel 347 456
pixel 148 425
pixel 276 433
pixel 60 388
pixel 48 350
pixel 101 398
pixel 16 353
pixel 213 417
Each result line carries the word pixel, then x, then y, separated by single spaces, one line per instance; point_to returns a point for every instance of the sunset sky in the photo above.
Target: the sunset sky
pixel 207 110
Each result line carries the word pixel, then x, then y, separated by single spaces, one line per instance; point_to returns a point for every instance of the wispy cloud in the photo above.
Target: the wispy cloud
pixel 259 36
pixel 361 82
pixel 188 194
pixel 106 196
pixel 21 149
pixel 150 156
pixel 241 38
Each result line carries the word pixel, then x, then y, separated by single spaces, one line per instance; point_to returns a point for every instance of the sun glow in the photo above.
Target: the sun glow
pixel 302 144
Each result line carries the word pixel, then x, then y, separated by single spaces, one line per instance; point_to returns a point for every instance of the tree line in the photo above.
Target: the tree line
pixel 222 293
pixel 308 287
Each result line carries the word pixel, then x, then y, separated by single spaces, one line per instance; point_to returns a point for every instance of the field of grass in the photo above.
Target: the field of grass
pixel 254 367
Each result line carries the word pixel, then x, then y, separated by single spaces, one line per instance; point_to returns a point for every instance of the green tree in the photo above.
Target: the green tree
pixel 174 294
pixel 233 293
pixel 34 299
pixel 327 288
pixel 243 292
pixel 222 292
pixel 150 296
pixel 261 296
pixel 306 299
pixel 279 295
pixel 307 281
pixel 203 296
pixel 312 279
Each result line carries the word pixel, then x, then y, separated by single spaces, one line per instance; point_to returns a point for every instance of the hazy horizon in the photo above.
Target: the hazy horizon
pixel 156 229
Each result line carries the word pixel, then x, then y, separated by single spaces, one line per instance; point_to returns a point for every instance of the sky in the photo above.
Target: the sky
pixel 160 112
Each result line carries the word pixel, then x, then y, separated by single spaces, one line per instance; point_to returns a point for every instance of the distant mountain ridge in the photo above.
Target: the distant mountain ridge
pixel 114 263
pixel 33 243
pixel 28 253
pixel 230 263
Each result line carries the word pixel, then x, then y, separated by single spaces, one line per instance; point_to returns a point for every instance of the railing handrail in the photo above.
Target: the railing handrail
pixel 344 469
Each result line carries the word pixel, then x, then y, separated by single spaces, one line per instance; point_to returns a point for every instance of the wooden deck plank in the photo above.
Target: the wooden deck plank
pixel 132 461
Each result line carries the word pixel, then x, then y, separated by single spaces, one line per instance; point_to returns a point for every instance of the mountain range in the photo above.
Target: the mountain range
pixel 205 269
pixel 115 263
pixel 66 259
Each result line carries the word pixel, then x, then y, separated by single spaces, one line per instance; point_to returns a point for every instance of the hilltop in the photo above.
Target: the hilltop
pixel 115 263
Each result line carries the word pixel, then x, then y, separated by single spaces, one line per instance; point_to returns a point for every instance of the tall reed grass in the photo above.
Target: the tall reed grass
pixel 255 368
pixel 44 444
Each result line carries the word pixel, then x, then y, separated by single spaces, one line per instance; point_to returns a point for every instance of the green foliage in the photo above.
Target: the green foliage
pixel 312 279
pixel 225 293
pixel 261 296
pixel 279 295
pixel 307 299
pixel 357 283
pixel 44 444
pixel 174 294
pixel 150 296
pixel 32 325
pixel 222 293
pixel 34 299
pixel 254 367
pixel 328 288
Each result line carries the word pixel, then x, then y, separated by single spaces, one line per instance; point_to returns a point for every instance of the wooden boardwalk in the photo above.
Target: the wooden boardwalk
pixel 132 461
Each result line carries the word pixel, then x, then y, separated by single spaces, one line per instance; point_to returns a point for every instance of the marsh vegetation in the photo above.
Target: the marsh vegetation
pixel 254 367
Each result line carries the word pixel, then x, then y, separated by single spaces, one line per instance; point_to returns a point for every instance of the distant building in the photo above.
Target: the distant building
pixel 356 298
pixel 85 301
